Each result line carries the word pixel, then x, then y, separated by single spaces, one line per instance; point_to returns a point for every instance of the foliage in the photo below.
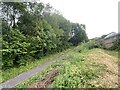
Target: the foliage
pixel 76 72
pixel 32 30
pixel 78 34
pixel 41 75
pixel 116 45
pixel 12 72
pixel 92 44
pixel 16 48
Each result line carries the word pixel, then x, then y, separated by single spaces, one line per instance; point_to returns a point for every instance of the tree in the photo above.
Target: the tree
pixel 33 30
pixel 11 11
pixel 79 34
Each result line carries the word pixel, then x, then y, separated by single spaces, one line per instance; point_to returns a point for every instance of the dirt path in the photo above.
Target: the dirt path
pixel 26 75
pixel 110 77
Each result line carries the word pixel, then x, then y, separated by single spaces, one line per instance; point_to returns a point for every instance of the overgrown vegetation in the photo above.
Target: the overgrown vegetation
pixel 116 45
pixel 85 46
pixel 75 74
pixel 32 30
pixel 41 75
pixel 76 71
pixel 12 72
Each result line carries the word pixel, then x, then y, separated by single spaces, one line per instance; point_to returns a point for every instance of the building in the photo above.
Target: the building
pixel 107 41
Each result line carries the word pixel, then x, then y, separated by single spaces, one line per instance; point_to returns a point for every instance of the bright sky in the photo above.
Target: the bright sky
pixel 99 16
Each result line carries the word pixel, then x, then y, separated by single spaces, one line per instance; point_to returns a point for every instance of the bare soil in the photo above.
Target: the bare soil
pixel 46 81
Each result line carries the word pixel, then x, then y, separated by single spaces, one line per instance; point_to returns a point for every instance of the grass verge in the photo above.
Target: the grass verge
pixel 112 52
pixel 76 72
pixel 12 72
pixel 41 75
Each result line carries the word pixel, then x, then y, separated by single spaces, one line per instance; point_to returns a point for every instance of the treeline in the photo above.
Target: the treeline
pixel 32 30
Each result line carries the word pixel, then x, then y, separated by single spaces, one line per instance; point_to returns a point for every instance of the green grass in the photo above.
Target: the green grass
pixel 40 75
pixel 112 52
pixel 76 71
pixel 12 72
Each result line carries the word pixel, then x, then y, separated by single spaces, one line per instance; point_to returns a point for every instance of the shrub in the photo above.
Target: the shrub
pixel 92 44
pixel 116 45
pixel 7 63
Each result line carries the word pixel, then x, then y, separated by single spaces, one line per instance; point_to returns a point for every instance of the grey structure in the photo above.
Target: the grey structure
pixel 110 39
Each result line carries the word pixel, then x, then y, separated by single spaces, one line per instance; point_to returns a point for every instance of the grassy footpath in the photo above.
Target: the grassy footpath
pixel 12 72
pixel 81 68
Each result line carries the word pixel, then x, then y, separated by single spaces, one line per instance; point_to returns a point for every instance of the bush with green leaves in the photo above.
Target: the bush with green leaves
pixel 33 30
pixel 116 45
pixel 84 46
pixel 92 44
pixel 15 50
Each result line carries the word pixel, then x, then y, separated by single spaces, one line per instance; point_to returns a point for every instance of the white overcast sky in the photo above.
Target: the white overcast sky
pixel 99 16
